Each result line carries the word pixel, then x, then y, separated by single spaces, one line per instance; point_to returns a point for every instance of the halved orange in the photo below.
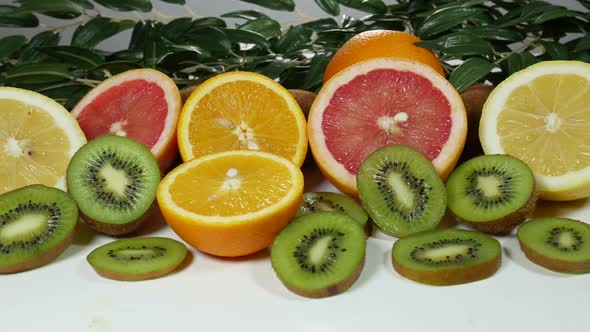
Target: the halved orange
pixel 231 203
pixel 38 137
pixel 242 111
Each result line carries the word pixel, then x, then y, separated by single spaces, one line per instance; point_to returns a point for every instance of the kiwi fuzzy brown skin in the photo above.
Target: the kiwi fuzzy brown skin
pixel 119 229
pixel 505 225
pixel 552 264
pixel 443 278
pixel 474 99
pixel 329 291
pixel 41 260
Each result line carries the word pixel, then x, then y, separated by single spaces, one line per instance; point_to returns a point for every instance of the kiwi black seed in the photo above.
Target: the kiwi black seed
pixel 401 190
pixel 447 257
pixel 136 259
pixel 334 202
pixel 319 254
pixel 37 224
pixel 114 180
pixel 492 193
pixel 558 244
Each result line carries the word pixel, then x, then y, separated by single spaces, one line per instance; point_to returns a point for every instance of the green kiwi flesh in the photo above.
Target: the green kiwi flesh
pixel 492 193
pixel 558 244
pixel 334 202
pixel 114 180
pixel 447 257
pixel 319 254
pixel 37 224
pixel 136 259
pixel 401 190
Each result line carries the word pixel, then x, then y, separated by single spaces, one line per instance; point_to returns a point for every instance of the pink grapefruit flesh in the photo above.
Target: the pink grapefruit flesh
pixel 139 104
pixel 384 102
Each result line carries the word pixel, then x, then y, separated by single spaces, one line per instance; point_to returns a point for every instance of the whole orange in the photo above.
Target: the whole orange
pixel 381 43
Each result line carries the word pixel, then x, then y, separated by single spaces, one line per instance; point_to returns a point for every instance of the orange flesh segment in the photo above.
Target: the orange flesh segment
pixel 243 115
pixel 231 185
pixel 31 142
pixel 550 114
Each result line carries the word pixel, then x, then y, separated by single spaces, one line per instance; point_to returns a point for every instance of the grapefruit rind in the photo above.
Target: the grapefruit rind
pixel 63 119
pixel 165 148
pixel 336 172
pixel 570 186
pixel 205 88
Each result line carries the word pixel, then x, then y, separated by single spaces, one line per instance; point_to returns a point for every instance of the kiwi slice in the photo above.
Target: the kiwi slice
pixel 37 224
pixel 558 244
pixel 401 190
pixel 447 257
pixel 334 202
pixel 493 193
pixel 114 180
pixel 136 259
pixel 319 254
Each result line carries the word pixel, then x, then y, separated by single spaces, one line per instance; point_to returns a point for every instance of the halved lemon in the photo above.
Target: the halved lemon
pixel 242 111
pixel 231 203
pixel 542 116
pixel 38 137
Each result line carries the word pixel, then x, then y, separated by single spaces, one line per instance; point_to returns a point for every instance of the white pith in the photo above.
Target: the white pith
pixel 314 124
pixel 495 105
pixel 171 95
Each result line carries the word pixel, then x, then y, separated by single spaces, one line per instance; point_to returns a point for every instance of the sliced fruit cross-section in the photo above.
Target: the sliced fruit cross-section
pixel 242 111
pixel 141 104
pixel 541 115
pixel 231 203
pixel 38 137
pixel 383 102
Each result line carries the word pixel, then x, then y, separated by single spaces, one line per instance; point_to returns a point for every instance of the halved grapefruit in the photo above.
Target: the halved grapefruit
pixel 142 104
pixel 379 102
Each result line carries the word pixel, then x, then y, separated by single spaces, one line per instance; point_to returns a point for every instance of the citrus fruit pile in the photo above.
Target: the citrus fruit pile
pixel 223 166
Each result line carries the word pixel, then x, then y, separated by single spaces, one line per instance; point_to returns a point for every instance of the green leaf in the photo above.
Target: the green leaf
pixel 492 33
pixel 35 73
pixel 126 55
pixel 115 67
pixel 30 53
pixel 177 28
pixel 212 39
pixel 264 26
pixel 10 44
pixel 209 22
pixel 284 5
pixel 368 6
pixel 127 5
pixel 64 9
pixel 10 17
pixel 293 38
pixel 583 44
pixel 555 13
pixel 554 50
pixel 321 24
pixel 444 19
pixel 329 6
pixel 317 67
pixel 137 36
pixel 245 14
pixel 469 72
pixel 80 57
pixel 153 47
pixel 178 2
pixel 458 44
pixel 519 61
pixel 96 30
pixel 198 52
pixel 246 37
pixel 275 69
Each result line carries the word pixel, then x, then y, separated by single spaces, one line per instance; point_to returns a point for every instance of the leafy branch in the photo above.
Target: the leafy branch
pixel 477 40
